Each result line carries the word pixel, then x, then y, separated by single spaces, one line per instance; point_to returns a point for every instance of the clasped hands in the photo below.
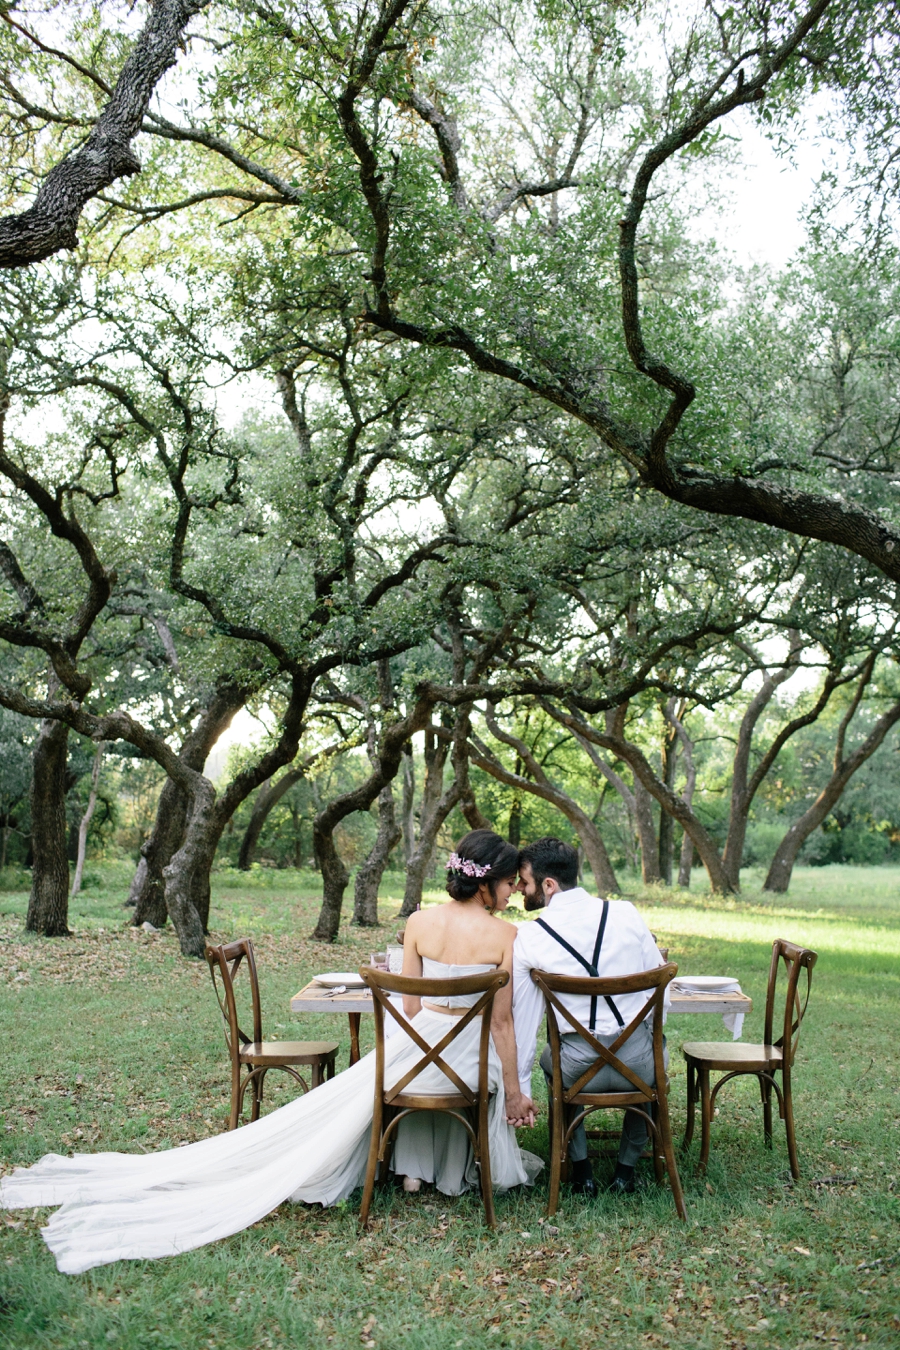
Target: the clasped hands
pixel 520 1110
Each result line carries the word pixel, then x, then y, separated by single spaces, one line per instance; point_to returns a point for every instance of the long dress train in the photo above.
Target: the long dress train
pixel 313 1150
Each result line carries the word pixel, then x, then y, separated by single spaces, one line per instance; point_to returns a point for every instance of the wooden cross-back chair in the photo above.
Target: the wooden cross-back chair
pixel 733 1060
pixel 252 1057
pixel 569 1106
pixel 467 1105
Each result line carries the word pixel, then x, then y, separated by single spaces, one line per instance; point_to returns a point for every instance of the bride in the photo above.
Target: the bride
pixel 121 1205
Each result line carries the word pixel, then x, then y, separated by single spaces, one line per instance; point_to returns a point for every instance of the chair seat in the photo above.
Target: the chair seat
pixel 288 1052
pixel 728 1055
pixel 610 1099
pixel 445 1102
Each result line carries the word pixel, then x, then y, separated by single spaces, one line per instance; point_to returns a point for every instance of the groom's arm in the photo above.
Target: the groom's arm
pixel 528 1005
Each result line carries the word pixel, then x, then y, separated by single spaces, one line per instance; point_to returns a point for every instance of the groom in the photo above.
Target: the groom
pixel 574 931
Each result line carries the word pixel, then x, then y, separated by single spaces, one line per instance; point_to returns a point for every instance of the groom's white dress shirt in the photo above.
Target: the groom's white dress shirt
pixel 628 947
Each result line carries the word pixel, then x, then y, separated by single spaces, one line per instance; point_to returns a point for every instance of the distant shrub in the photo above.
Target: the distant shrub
pixel 15 879
pixel 763 837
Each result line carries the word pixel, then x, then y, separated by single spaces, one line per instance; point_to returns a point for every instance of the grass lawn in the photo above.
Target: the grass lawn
pixel 113 1041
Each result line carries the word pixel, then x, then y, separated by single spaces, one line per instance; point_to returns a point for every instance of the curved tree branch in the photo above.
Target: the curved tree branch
pixel 51 222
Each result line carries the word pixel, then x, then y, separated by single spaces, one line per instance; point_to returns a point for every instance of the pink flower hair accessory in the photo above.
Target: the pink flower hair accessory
pixel 466 866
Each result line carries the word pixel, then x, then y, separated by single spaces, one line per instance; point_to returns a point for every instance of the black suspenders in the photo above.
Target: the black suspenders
pixel 590 966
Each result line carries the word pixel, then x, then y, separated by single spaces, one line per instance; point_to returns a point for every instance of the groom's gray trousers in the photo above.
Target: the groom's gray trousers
pixel 576 1056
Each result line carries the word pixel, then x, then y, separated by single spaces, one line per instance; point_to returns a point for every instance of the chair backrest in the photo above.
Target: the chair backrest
pixel 794 960
pixel 652 982
pixel 224 965
pixel 383 984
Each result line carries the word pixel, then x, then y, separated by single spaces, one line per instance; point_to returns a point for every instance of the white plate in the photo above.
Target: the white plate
pixel 710 982
pixel 351 978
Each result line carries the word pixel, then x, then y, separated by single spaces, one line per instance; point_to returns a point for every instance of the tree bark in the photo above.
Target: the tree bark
pixel 48 904
pixel 669 754
pixel 514 826
pixel 643 810
pixel 269 796
pixel 190 860
pixel 85 822
pixel 51 223
pixel 434 809
pixel 686 859
pixel 158 851
pixel 781 868
pixel 137 883
pixel 172 811
pixel 407 809
pixel 368 877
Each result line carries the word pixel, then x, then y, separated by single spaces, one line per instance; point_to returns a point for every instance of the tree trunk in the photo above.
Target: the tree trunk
pixel 434 809
pixel 85 824
pixel 666 823
pixel 778 878
pixel 267 797
pixel 596 854
pixel 407 809
pixel 514 827
pixel 48 904
pixel 690 781
pixel 181 873
pixel 334 882
pixel 643 812
pixel 685 861
pixel 149 891
pixel 158 851
pixel 368 877
pixel 137 883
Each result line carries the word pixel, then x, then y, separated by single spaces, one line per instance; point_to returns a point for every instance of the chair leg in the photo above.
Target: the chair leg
pixel 765 1089
pixel 484 1156
pixel 316 1074
pixel 664 1127
pixel 236 1098
pixel 257 1078
pixel 659 1162
pixel 789 1126
pixel 384 1167
pixel 705 1118
pixel 557 1120
pixel 691 1102
pixel 371 1165
pixel 329 1068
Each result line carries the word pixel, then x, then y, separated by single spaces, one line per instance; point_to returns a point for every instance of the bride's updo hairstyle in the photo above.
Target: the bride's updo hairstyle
pixel 480 858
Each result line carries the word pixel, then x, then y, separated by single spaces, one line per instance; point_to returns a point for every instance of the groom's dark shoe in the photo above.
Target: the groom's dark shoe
pixel 623 1181
pixel 582 1177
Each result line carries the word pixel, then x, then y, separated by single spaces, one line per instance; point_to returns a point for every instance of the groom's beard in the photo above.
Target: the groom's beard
pixel 534 899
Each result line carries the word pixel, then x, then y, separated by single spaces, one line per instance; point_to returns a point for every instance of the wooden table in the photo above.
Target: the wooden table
pixel 315 998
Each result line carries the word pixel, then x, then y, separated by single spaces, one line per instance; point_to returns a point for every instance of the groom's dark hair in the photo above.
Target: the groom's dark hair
pixel 549 857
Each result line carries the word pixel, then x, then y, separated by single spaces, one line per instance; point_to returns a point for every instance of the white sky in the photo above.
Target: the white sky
pixel 769 195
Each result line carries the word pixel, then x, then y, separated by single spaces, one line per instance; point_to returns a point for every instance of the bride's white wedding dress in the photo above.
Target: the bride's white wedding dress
pixel 314 1150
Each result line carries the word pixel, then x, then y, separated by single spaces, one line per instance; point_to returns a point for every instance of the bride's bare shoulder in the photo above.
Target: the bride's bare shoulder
pixel 424 919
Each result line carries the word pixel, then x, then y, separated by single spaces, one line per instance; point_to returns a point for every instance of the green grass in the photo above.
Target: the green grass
pixel 111 1040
